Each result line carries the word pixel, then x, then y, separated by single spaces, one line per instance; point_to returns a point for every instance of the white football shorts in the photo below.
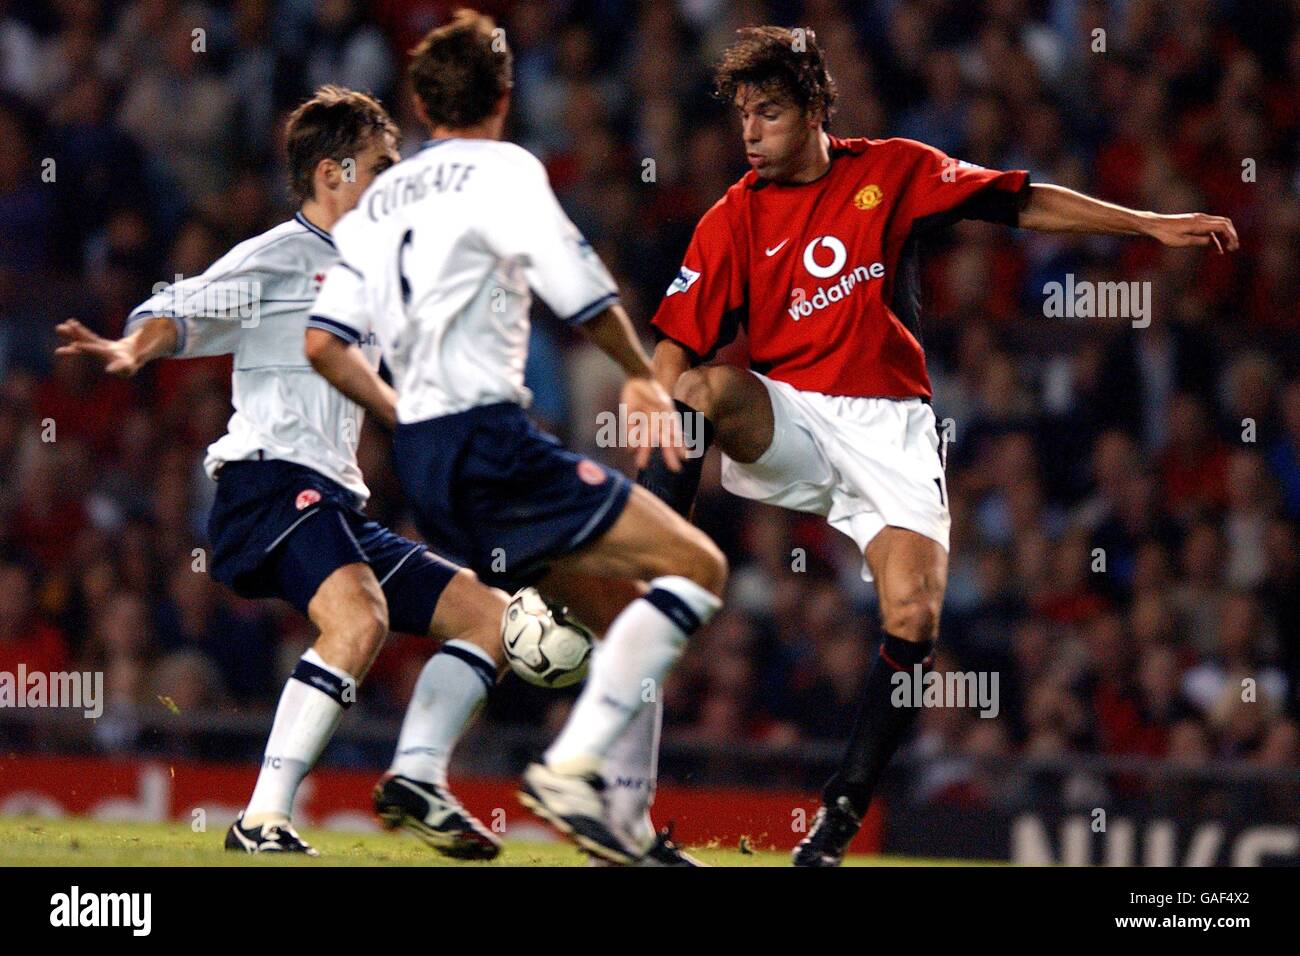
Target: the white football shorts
pixel 862 463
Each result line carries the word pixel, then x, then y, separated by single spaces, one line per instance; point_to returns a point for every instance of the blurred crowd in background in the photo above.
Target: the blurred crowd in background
pixel 1125 500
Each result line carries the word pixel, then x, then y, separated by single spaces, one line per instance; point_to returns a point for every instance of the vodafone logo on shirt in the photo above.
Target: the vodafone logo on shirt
pixel 811 252
pixel 824 258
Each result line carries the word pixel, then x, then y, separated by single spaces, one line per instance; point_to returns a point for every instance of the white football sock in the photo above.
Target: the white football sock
pixel 631 769
pixel 449 692
pixel 310 708
pixel 640 647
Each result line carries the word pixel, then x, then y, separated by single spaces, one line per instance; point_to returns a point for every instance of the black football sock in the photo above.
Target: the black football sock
pixel 880 726
pixel 678 488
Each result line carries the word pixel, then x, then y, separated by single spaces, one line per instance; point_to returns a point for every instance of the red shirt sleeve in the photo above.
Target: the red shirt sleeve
pixel 702 306
pixel 941 190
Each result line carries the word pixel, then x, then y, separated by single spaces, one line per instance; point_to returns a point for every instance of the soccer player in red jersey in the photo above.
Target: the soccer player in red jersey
pixel 814 252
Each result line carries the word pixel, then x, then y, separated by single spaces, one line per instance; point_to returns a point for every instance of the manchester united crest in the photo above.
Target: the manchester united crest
pixel 868 197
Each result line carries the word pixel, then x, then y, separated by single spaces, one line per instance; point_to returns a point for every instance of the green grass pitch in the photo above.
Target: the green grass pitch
pixel 32 841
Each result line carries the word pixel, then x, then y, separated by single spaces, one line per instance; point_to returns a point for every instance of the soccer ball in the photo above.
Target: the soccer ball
pixel 542 645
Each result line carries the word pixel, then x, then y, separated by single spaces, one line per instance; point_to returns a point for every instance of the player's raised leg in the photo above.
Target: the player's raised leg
pixel 451 689
pixel 732 408
pixel 686 574
pixel 910 571
pixel 349 609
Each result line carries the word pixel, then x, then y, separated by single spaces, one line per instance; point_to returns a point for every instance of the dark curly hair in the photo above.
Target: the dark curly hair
pixel 460 69
pixel 786 65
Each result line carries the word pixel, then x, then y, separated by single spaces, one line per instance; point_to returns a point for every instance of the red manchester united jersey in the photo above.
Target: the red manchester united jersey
pixel 823 274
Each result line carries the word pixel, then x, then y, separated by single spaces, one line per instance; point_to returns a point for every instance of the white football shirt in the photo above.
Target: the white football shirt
pixel 438 260
pixel 254 303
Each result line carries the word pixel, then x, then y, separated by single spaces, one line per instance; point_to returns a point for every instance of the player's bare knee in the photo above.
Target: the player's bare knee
pixel 472 604
pixel 366 627
pixel 696 387
pixel 468 610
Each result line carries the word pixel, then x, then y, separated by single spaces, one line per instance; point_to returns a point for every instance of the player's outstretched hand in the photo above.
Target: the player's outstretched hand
pixel 648 401
pixel 1195 229
pixel 117 355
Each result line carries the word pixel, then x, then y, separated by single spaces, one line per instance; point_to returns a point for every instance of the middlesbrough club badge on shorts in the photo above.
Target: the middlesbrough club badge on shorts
pixel 590 472
pixel 306 498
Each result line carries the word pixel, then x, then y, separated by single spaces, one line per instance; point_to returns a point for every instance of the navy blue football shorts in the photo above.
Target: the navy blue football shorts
pixel 502 497
pixel 279 530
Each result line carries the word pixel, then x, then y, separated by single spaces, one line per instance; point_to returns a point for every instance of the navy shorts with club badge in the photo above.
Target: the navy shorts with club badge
pixel 494 492
pixel 279 530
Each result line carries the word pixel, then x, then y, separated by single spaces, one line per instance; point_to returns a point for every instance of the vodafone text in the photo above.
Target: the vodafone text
pixel 804 305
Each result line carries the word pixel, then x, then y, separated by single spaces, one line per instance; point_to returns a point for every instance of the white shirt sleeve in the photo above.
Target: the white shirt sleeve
pixel 209 310
pixel 340 305
pixel 559 264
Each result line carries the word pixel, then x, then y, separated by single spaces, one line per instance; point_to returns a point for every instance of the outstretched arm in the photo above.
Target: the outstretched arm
pixel 1057 209
pixel 611 332
pixel 153 338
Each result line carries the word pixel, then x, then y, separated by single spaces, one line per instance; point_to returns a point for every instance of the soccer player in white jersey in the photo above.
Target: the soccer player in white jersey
pixel 438 260
pixel 287 522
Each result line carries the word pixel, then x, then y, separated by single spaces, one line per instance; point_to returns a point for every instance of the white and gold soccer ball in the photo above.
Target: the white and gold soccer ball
pixel 543 646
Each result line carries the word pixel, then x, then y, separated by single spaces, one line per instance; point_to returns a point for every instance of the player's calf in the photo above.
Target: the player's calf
pixel 350 610
pixel 450 690
pixel 686 574
pixel 914 617
pixel 909 571
pixel 455 681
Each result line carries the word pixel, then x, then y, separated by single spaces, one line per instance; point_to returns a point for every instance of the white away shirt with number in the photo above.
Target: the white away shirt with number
pixel 438 260
pixel 253 303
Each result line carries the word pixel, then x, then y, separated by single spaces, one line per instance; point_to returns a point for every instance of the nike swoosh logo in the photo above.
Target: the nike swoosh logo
pixel 777 248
